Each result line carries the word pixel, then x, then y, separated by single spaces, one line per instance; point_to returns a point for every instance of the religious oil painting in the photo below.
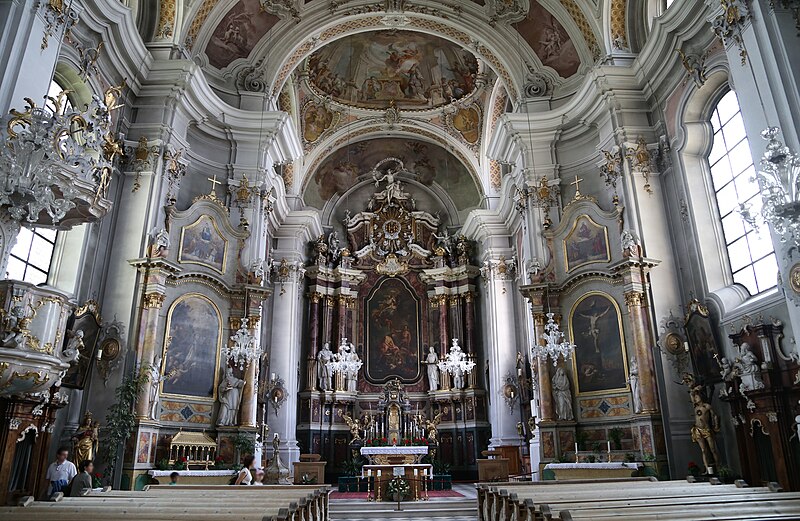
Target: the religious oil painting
pixel 238 32
pixel 86 321
pixel 586 243
pixel 202 243
pixel 393 332
pixel 194 332
pixel 596 330
pixel 379 69
pixel 703 347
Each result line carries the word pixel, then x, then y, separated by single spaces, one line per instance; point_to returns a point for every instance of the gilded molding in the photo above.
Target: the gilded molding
pixel 153 300
pixel 634 299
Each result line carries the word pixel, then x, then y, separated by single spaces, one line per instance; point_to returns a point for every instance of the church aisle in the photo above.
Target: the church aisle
pixel 452 509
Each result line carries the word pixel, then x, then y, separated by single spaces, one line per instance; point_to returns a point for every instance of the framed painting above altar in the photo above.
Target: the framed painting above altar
pixel 191 347
pixel 393 332
pixel 599 362
pixel 202 243
pixel 586 243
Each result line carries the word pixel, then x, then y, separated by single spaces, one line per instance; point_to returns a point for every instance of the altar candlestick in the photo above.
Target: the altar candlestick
pixel 609 447
pixel 576 453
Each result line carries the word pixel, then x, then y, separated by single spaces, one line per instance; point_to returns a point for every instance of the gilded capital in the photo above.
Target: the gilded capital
pixel 634 299
pixel 153 300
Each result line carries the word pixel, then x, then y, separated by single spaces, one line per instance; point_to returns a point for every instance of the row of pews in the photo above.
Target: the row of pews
pixel 633 499
pixel 182 503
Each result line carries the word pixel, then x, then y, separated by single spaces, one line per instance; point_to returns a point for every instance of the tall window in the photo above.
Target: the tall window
pixel 750 251
pixel 31 256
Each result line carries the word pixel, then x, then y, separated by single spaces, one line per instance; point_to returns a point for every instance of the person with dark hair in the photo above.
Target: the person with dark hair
pixel 60 472
pixel 245 476
pixel 173 478
pixel 84 478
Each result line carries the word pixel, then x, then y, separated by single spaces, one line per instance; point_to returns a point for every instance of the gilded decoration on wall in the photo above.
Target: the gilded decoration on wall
pixel 467 121
pixel 202 243
pixel 191 347
pixel 641 161
pixel 586 243
pixel 703 346
pixel 599 361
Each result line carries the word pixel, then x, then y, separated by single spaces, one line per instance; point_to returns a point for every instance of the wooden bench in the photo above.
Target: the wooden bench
pixel 185 503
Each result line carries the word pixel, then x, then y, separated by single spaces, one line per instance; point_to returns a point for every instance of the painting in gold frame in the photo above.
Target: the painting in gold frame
pixel 202 243
pixel 192 343
pixel 600 361
pixel 703 346
pixel 586 243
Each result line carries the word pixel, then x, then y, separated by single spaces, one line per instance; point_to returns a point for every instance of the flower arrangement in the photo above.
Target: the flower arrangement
pixel 376 442
pixel 181 463
pixel 97 480
pixel 398 489
pixel 409 442
pixel 219 463
pixel 692 469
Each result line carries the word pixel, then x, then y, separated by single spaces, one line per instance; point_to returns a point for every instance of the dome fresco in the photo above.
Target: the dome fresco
pixel 378 69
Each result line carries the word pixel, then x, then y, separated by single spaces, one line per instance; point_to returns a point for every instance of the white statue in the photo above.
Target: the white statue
pixel 458 379
pixel 562 395
pixel 433 369
pixel 230 395
pixel 393 188
pixel 726 369
pixel 156 379
pixel 13 334
pixel 72 352
pixel 633 380
pixel 630 244
pixel 748 369
pixel 352 376
pixel 160 245
pixel 445 241
pixel 324 357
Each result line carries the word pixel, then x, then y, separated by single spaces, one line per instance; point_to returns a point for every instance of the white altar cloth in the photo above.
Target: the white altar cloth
pixel 199 473
pixel 599 465
pixel 395 450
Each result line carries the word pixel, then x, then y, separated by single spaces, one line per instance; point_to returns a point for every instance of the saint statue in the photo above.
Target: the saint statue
pixel 85 439
pixel 706 425
pixel 562 395
pixel 748 369
pixel 230 395
pixel 433 368
pixel 458 379
pixel 14 328
pixel 633 380
pixel 352 376
pixel 156 379
pixel 323 370
pixel 72 352
pixel 393 188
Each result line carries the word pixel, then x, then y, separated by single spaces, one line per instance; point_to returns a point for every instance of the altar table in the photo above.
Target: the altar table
pixel 394 454
pixel 593 470
pixel 194 477
pixel 420 481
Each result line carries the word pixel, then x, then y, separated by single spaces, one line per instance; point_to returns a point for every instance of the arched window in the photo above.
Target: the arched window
pixel 751 254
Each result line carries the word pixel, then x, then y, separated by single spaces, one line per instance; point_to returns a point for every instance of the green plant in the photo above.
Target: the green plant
pixel 596 447
pixel 397 489
pixel 440 467
pixel 692 469
pixel 243 444
pixel 352 467
pixel 581 438
pixel 630 457
pixel 121 418
pixel 163 464
pixel 615 435
pixel 649 457
pixel 727 473
pixel 563 458
pixel 591 458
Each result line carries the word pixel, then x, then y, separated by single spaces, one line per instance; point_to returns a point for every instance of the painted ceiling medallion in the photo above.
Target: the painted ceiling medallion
pixel 380 69
pixel 467 121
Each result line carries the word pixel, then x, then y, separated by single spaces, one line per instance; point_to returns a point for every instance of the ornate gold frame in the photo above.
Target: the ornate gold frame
pixel 569 268
pixel 221 235
pixel 622 346
pixel 220 331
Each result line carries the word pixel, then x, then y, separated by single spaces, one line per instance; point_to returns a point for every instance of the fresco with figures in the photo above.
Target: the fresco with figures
pixel 378 69
pixel 192 344
pixel 549 40
pixel 600 363
pixel 431 163
pixel 202 243
pixel 393 332
pixel 238 33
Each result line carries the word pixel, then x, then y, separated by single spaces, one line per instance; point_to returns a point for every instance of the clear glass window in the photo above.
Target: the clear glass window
pixel 31 256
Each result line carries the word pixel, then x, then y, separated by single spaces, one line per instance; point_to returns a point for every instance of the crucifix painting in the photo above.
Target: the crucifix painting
pixel 596 330
pixel 393 332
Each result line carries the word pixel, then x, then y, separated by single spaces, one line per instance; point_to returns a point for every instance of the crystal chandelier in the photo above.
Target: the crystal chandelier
pixel 56 160
pixel 555 343
pixel 456 363
pixel 345 360
pixel 780 194
pixel 244 349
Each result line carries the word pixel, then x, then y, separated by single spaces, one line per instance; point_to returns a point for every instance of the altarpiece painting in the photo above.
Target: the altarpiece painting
pixel 703 347
pixel 586 243
pixel 596 328
pixel 202 243
pixel 393 332
pixel 194 333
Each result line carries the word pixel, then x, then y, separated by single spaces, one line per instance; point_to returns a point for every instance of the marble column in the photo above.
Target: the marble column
pixel 313 338
pixel 642 335
pixel 546 413
pixel 441 301
pixel 147 346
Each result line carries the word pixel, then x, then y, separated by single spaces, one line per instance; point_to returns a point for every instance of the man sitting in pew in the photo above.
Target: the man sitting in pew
pixel 83 479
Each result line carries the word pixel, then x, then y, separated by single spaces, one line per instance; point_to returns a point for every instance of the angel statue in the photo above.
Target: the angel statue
pixel 393 189
pixel 72 352
pixel 355 427
pixel 432 427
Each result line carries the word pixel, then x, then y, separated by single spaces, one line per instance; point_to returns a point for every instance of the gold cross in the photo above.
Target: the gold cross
pixel 577 184
pixel 214 183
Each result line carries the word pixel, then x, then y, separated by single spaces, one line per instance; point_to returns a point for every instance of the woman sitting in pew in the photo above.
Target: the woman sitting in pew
pixel 83 479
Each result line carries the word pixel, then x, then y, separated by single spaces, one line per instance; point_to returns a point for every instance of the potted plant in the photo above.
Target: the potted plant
pixel 442 480
pixel 350 481
pixel 615 436
pixel 692 469
pixel 397 489
pixel 581 438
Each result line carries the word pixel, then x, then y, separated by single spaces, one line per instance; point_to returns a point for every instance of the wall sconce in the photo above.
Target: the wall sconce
pixel 510 391
pixel 276 392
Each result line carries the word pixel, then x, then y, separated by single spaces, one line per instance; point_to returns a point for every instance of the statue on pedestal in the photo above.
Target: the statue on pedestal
pixel 562 395
pixel 633 380
pixel 355 427
pixel 352 376
pixel 706 425
pixel 432 361
pixel 86 438
pixel 230 395
pixel 324 357
pixel 276 472
pixel 748 369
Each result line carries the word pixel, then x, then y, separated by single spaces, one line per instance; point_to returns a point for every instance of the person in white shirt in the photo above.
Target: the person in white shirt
pixel 60 472
pixel 245 476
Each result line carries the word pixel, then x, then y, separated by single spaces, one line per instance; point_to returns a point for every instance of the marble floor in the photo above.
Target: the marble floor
pixel 451 509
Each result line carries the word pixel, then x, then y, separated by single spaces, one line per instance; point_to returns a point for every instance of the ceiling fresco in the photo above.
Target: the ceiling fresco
pixel 549 40
pixel 340 171
pixel 378 69
pixel 238 33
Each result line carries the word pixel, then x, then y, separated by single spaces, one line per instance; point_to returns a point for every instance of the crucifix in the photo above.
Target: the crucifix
pixel 577 184
pixel 214 183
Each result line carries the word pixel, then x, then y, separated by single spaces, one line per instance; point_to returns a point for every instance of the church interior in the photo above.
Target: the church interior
pixel 396 248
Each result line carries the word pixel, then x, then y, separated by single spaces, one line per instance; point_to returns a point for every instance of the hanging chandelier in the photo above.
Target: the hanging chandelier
pixel 456 363
pixel 780 194
pixel 56 162
pixel 244 349
pixel 555 345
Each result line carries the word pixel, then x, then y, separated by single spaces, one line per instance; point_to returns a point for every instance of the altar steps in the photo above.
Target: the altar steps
pixel 461 509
